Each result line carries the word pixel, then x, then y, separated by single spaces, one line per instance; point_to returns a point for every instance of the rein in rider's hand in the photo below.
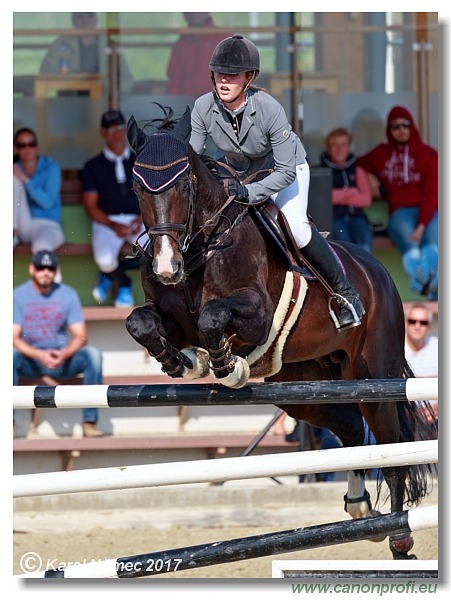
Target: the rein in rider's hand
pixel 234 188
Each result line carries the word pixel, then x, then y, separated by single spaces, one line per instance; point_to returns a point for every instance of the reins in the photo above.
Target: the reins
pixel 212 242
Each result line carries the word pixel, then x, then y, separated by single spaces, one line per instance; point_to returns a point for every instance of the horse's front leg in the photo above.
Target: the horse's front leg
pixel 246 315
pixel 145 326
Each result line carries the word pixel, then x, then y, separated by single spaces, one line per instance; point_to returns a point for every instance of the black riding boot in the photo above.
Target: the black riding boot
pixel 321 257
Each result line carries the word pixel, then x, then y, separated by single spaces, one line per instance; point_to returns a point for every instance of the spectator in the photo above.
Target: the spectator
pixel 407 170
pixel 86 53
pixel 324 439
pixel 111 203
pixel 36 195
pixel 351 190
pixel 421 348
pixel 49 333
pixel 185 75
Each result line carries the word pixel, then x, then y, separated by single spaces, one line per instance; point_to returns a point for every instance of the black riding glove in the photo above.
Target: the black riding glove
pixel 234 188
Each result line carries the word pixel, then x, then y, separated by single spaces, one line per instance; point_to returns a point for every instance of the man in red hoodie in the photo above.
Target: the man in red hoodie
pixel 185 72
pixel 407 170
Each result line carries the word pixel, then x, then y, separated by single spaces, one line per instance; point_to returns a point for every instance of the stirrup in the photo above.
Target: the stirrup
pixel 345 303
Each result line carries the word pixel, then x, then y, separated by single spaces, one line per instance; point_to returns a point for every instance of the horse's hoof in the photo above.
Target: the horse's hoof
pixel 376 513
pixel 200 361
pixel 239 376
pixel 399 556
pixel 400 546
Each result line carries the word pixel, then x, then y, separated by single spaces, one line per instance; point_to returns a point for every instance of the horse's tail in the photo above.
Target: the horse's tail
pixel 415 426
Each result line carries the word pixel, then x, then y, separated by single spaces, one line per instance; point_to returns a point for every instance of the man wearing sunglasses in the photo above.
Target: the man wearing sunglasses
pixel 49 333
pixel 406 172
pixel 421 348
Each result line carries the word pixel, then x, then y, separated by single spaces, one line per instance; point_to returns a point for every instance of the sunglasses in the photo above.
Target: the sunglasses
pixel 53 269
pixel 404 124
pixel 31 144
pixel 415 321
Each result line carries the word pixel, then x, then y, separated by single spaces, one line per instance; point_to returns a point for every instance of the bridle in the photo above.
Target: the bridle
pixel 181 233
pixel 185 230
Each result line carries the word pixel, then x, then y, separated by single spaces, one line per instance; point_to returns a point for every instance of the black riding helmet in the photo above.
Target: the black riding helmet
pixel 235 54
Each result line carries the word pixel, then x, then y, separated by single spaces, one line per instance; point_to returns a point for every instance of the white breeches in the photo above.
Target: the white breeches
pixel 293 201
pixel 42 234
pixel 106 245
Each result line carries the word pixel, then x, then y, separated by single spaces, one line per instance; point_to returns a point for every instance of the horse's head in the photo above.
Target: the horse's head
pixel 165 186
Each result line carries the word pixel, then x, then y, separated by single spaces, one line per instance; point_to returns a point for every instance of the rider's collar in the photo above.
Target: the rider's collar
pixel 235 112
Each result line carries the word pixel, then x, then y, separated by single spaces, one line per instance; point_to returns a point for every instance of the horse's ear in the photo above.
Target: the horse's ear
pixel 136 137
pixel 182 131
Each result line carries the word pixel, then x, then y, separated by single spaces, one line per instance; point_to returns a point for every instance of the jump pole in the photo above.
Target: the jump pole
pixel 222 469
pixel 204 555
pixel 198 394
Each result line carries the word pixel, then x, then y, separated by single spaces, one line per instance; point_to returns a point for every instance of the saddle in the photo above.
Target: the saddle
pixel 276 225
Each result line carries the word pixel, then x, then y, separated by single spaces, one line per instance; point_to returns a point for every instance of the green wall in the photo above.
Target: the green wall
pixel 80 271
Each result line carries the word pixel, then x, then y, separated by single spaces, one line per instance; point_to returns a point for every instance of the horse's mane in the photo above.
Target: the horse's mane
pixel 165 123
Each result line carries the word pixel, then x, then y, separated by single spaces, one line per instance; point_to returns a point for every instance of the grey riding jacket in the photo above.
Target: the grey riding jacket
pixel 266 140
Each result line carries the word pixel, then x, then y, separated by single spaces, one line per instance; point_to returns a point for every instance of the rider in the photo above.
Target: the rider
pixel 251 131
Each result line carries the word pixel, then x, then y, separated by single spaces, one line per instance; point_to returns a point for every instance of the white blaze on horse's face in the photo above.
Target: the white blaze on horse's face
pixel 165 265
pixel 168 220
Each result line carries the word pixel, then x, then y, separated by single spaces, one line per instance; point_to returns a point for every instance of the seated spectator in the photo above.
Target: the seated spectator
pixel 85 53
pixel 49 333
pixel 36 195
pixel 111 204
pixel 407 170
pixel 351 191
pixel 421 348
pixel 324 439
pixel 184 73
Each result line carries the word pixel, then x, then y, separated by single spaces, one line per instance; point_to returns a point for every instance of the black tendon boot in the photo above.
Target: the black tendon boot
pixel 321 257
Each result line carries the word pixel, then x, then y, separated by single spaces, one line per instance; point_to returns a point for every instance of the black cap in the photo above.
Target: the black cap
pixel 112 117
pixel 45 258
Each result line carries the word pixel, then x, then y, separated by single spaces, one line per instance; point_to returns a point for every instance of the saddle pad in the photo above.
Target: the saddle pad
pixel 266 360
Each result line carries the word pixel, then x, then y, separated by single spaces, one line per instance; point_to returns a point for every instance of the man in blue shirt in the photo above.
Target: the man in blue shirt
pixel 50 335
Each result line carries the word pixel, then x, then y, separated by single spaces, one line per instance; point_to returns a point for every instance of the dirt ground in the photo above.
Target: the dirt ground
pixel 102 544
pixel 85 536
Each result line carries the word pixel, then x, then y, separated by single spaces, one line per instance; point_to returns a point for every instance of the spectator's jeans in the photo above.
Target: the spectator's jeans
pixel 420 262
pixel 401 225
pixel 87 361
pixel 355 229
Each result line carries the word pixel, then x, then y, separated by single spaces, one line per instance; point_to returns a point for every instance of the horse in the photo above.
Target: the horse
pixel 221 300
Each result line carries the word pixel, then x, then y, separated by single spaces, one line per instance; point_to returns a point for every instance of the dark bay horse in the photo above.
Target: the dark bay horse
pixel 219 299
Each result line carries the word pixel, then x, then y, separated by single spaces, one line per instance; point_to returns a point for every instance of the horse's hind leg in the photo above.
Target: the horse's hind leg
pixel 345 420
pixel 393 422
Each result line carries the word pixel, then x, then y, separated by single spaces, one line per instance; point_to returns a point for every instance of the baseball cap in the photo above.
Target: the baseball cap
pixel 45 258
pixel 112 117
